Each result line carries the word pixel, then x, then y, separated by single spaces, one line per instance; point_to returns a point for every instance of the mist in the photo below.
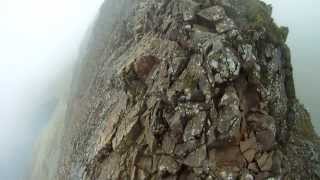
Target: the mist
pixel 39 45
pixel 302 18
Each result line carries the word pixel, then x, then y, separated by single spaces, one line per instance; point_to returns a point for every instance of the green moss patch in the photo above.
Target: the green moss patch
pixel 258 15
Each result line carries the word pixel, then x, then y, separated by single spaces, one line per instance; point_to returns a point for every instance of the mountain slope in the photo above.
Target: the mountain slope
pixel 186 89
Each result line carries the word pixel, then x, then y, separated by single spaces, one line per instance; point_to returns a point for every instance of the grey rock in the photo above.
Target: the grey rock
pixel 269 51
pixel 194 127
pixel 265 162
pixel 265 129
pixel 196 158
pixel 225 25
pixel 211 137
pixel 190 9
pixel 182 89
pixel 247 53
pixel 229 115
pixel 249 148
pixel 206 41
pixel 226 65
pixel 127 132
pixel 246 176
pixel 228 175
pixel 182 150
pixel 169 141
pixel 213 14
pixel 177 122
pixel 168 165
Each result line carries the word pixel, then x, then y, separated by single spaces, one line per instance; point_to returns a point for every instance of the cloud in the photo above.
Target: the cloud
pixel 39 41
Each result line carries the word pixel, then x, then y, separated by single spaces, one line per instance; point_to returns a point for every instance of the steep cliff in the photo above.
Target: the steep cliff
pixel 185 89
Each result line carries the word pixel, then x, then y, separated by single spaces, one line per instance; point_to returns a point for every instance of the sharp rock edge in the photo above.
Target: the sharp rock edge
pixel 185 89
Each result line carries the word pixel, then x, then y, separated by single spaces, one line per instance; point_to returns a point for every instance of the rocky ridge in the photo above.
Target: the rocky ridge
pixel 187 89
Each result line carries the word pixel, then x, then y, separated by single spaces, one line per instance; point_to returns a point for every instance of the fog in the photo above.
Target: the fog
pixel 302 18
pixel 39 43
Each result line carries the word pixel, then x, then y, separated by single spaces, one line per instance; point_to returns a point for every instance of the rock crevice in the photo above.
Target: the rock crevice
pixel 188 89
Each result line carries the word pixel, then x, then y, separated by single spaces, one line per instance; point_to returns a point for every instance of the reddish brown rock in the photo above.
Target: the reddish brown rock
pixel 265 131
pixel 144 65
pixel 201 81
pixel 230 157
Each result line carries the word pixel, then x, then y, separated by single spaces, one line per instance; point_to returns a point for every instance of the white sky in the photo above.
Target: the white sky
pixel 38 40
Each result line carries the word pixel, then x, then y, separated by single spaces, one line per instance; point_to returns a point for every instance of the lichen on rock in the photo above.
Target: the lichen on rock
pixel 188 89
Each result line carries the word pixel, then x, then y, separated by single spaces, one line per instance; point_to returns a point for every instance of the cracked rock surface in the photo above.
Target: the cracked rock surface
pixel 186 89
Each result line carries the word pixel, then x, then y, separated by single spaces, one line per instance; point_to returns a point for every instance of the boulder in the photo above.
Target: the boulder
pixel 213 14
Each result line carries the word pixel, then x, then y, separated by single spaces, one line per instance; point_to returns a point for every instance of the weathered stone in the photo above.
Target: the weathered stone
pixel 190 9
pixel 126 134
pixel 262 176
pixel 225 25
pixel 108 169
pixel 212 159
pixel 212 14
pixel 145 163
pixel 246 176
pixel 189 176
pixel 169 142
pixel 140 174
pixel 197 96
pixel 248 144
pixel 108 133
pixel 177 123
pixel 253 167
pixel 194 127
pixel 266 139
pixel 225 63
pixel 269 51
pixel 183 89
pixel 211 137
pixel 177 65
pixel 264 127
pixel 247 53
pixel 199 28
pixel 188 80
pixel 206 41
pixel 196 158
pixel 158 124
pixel 170 177
pixel 249 148
pixel 228 175
pixel 181 150
pixel 144 65
pixel 229 156
pixel 229 116
pixel 250 154
pixel 265 162
pixel 168 165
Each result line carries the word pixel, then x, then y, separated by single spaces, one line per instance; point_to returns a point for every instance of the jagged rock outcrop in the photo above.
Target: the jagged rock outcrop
pixel 187 89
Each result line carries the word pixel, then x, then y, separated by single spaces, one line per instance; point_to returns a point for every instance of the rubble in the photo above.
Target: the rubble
pixel 190 89
pixel 213 14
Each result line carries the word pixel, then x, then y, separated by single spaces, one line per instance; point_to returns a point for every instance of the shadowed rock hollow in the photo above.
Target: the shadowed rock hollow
pixel 185 89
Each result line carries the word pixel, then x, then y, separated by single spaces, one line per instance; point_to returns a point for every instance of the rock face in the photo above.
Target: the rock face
pixel 186 89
